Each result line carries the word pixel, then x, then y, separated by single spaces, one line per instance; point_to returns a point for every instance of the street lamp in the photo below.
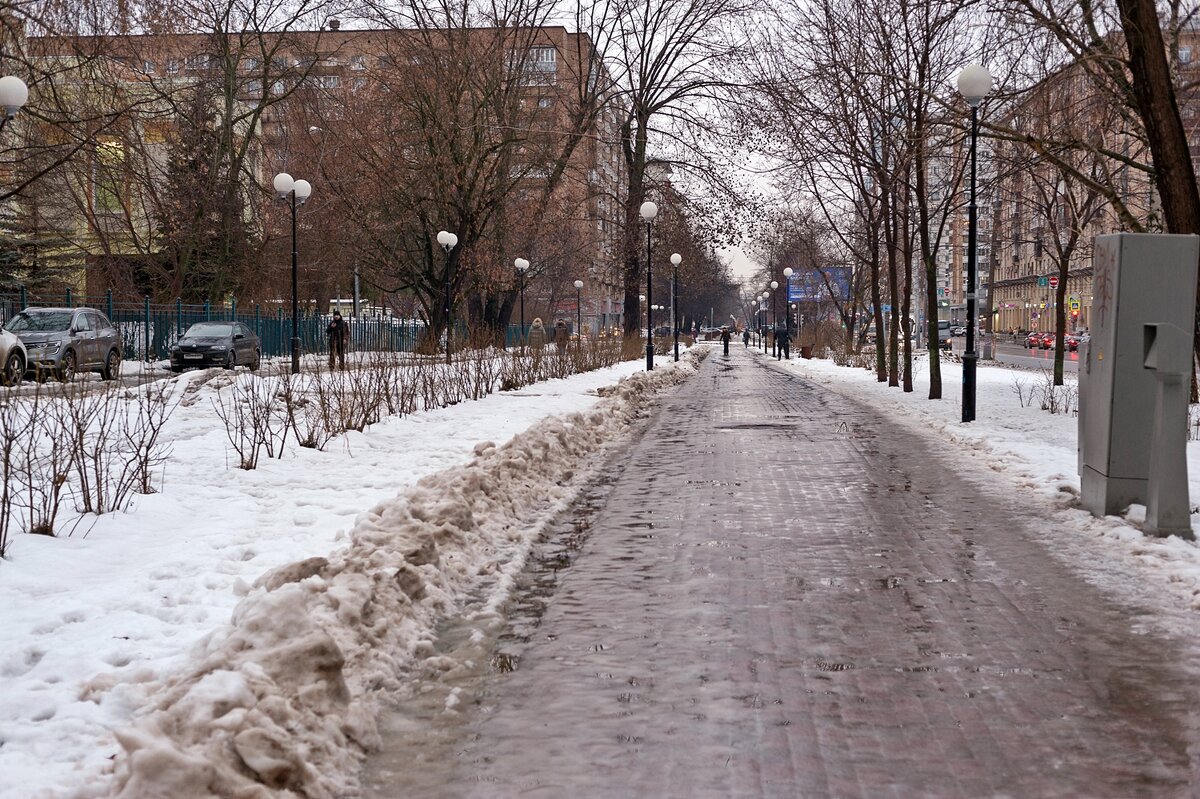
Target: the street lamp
pixel 774 318
pixel 787 317
pixel 521 264
pixel 648 211
pixel 13 94
pixel 974 83
pixel 762 335
pixel 448 241
pixel 676 260
pixel 578 314
pixel 299 191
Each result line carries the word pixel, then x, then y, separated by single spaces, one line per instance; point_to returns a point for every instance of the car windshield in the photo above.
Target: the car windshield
pixel 210 330
pixel 41 322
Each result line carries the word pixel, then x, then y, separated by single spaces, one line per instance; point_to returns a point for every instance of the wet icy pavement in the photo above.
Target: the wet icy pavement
pixel 779 596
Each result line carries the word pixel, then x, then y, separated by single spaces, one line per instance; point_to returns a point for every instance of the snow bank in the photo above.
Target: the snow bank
pixel 282 701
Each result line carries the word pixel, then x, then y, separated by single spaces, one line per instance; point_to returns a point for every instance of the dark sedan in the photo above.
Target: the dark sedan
pixel 226 344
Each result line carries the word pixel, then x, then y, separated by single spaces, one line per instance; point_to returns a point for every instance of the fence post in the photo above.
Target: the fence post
pixel 279 328
pixel 108 303
pixel 208 310
pixel 258 321
pixel 146 323
pixel 179 316
pixel 233 309
pixel 70 303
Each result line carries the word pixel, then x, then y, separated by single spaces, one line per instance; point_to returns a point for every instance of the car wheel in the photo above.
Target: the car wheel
pixel 66 372
pixel 14 369
pixel 256 362
pixel 230 361
pixel 112 365
pixel 176 369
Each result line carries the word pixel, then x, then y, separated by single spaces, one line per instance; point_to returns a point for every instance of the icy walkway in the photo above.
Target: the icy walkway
pixel 785 595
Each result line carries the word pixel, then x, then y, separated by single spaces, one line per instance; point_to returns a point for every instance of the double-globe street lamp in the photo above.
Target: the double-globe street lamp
pixel 298 191
pixel 762 327
pixel 676 260
pixel 648 211
pixel 521 265
pixel 974 84
pixel 13 94
pixel 448 241
pixel 774 319
pixel 578 315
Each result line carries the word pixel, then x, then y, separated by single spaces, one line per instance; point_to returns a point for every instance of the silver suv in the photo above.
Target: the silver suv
pixel 64 341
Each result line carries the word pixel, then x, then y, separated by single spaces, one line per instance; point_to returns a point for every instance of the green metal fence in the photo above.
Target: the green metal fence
pixel 149 329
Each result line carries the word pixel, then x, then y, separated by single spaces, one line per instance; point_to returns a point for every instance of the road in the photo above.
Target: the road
pixel 781 593
pixel 1017 355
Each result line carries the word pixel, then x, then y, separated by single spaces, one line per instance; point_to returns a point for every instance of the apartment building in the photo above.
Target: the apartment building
pixel 300 101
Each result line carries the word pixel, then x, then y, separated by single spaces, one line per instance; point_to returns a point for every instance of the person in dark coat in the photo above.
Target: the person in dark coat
pixel 562 336
pixel 725 338
pixel 746 338
pixel 338 333
pixel 783 341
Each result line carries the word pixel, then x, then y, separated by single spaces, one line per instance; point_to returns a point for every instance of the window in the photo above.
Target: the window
pixel 82 321
pixel 541 66
pixel 172 66
pixel 328 81
pixel 545 102
pixel 251 64
pixel 277 88
pixel 358 83
pixel 196 63
pixel 1185 55
pixel 148 67
pixel 107 166
pixel 254 88
pixel 358 62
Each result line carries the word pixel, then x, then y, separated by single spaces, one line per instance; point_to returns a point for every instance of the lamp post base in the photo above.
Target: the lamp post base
pixel 968 397
pixel 649 357
pixel 295 355
pixel 676 345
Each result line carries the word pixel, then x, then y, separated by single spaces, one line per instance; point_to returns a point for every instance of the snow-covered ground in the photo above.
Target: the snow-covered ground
pixel 228 635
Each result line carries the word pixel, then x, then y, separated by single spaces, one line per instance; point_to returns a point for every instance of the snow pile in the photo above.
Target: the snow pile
pixel 281 702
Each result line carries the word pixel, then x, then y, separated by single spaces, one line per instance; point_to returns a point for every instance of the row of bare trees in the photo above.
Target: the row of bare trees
pixel 146 151
pixel 1083 134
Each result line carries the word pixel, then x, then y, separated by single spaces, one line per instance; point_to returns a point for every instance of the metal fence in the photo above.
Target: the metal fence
pixel 148 330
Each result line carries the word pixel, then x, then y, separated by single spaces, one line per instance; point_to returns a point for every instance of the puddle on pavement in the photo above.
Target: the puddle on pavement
pixel 424 731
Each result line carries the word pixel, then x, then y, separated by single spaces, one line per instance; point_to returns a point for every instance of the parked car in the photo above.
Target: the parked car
pixel 226 344
pixel 13 357
pixel 958 330
pixel 945 335
pixel 61 342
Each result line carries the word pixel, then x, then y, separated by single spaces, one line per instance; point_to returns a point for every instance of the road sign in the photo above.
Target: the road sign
pixel 1042 281
pixel 1054 281
pixel 1074 305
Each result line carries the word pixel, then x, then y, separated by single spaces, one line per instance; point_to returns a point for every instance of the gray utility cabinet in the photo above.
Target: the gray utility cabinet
pixel 1143 284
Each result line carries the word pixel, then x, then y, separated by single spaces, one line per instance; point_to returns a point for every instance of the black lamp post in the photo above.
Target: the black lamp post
pixel 762 328
pixel 648 211
pixel 521 264
pixel 787 316
pixel 448 241
pixel 578 315
pixel 13 94
pixel 298 191
pixel 676 260
pixel 974 83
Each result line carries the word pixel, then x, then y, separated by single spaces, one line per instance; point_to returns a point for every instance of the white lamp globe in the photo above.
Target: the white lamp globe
pixel 787 271
pixel 578 284
pixel 974 83
pixel 774 285
pixel 521 264
pixel 283 184
pixel 303 189
pixel 13 94
pixel 648 211
pixel 676 258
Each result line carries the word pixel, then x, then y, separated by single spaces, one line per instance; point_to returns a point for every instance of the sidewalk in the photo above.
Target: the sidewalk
pixel 787 596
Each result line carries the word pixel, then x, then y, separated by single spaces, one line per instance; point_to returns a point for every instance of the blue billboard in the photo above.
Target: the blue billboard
pixel 820 284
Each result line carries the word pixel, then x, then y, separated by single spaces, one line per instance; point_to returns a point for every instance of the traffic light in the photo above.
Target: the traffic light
pixel 1074 314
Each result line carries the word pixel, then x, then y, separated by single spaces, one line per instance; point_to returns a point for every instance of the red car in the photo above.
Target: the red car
pixel 1071 343
pixel 1033 340
pixel 1047 341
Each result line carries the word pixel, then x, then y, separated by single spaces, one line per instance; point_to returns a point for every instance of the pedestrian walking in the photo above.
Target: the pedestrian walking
pixel 782 341
pixel 725 336
pixel 338 333
pixel 562 336
pixel 536 339
pixel 746 338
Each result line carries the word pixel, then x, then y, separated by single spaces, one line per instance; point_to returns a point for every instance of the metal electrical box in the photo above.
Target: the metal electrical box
pixel 1139 279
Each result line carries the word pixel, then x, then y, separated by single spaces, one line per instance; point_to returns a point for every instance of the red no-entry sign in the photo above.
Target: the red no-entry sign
pixel 1054 281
